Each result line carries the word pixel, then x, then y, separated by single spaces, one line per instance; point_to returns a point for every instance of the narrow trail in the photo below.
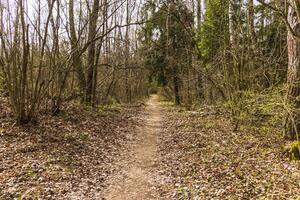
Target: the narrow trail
pixel 137 179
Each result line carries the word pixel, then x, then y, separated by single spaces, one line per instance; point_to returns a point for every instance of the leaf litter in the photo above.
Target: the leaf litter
pixel 202 158
pixel 69 156
pixel 75 154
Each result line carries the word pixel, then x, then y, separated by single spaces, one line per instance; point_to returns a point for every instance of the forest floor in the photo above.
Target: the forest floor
pixel 156 151
pixel 203 158
pixel 69 156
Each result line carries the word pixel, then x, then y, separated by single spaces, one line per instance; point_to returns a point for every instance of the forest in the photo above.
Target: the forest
pixel 149 99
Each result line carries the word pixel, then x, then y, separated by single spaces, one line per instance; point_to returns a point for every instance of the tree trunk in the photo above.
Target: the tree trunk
pixel 127 55
pixel 176 85
pixel 231 21
pixel 23 117
pixel 76 59
pixel 291 123
pixel 91 51
pixel 200 79
pixel 251 27
pixel 250 56
pixel 199 14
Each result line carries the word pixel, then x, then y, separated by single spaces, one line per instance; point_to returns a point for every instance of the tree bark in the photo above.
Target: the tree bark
pixel 200 79
pixel 127 55
pixel 292 124
pixel 23 117
pixel 251 27
pixel 91 51
pixel 176 85
pixel 76 59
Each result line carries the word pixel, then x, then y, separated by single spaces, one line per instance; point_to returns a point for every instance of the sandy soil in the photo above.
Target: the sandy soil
pixel 136 181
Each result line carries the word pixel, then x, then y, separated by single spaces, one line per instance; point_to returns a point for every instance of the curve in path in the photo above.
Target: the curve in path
pixel 137 181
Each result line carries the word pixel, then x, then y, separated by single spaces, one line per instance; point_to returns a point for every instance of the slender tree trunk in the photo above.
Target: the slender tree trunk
pixel 23 118
pixel 250 56
pixel 91 51
pixel 200 79
pixel 199 14
pixel 251 27
pixel 127 55
pixel 76 59
pixel 176 85
pixel 231 21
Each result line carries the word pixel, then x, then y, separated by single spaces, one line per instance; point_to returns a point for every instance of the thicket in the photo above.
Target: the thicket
pixel 237 54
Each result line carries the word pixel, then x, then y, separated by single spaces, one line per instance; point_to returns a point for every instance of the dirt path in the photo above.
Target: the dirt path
pixel 136 181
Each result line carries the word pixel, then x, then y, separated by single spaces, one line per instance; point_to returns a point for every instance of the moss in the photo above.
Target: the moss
pixel 297 198
pixel 295 151
pixel 210 125
pixel 292 150
pixel 84 136
pixel 184 193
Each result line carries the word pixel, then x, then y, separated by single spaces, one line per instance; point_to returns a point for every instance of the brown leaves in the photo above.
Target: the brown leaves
pixel 204 159
pixel 65 157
